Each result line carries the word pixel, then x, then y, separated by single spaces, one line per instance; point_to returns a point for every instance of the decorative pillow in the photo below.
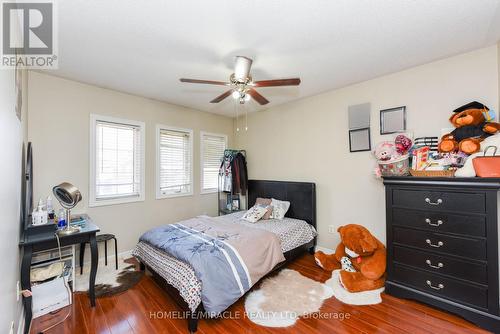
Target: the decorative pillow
pixel 265 202
pixel 255 213
pixel 279 208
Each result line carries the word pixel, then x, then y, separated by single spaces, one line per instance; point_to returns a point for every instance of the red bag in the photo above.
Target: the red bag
pixel 487 166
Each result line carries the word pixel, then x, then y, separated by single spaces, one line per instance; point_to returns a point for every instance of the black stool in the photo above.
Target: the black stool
pixel 100 238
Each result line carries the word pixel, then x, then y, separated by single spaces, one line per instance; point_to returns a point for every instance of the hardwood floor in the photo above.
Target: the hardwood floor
pixel 140 310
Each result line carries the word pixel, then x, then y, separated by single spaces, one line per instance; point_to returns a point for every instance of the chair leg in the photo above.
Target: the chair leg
pixel 116 254
pixel 105 252
pixel 82 254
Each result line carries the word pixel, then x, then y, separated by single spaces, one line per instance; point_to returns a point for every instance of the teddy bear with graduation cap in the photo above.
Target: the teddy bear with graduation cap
pixel 473 123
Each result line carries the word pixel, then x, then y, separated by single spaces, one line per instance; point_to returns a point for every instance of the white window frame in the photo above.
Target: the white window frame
pixel 93 202
pixel 160 127
pixel 202 133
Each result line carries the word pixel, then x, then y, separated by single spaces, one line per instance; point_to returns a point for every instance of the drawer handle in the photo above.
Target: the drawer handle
pixel 439 287
pixel 428 221
pixel 428 200
pixel 439 265
pixel 429 242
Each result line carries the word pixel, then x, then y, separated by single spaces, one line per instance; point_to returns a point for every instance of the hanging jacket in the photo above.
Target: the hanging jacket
pixel 239 174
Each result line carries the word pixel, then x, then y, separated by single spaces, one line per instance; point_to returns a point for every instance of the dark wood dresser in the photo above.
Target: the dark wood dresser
pixel 442 244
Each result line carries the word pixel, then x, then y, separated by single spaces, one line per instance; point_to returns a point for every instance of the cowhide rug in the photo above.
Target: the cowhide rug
pixel 283 298
pixel 109 281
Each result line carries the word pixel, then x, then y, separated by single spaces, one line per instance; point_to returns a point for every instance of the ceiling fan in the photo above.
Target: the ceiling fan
pixel 242 84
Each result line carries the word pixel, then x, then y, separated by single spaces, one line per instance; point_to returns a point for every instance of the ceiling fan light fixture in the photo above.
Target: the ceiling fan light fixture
pixel 241 84
pixel 242 68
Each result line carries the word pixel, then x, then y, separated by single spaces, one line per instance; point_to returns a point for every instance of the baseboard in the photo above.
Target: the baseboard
pixel 325 250
pixel 111 257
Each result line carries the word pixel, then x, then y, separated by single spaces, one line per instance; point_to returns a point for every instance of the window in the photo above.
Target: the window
pixel 212 148
pixel 116 161
pixel 174 172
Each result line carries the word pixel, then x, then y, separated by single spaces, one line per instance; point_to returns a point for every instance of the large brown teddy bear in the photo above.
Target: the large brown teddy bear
pixel 361 257
pixel 473 123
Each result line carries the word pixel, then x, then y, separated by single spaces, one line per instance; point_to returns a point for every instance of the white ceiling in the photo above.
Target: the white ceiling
pixel 144 47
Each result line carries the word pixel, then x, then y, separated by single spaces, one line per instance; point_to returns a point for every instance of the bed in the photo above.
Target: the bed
pixel 296 235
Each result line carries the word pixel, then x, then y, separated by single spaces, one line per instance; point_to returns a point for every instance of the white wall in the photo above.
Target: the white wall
pixel 307 140
pixel 12 132
pixel 59 129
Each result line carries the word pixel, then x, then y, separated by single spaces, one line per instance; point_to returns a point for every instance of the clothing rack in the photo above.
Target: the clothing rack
pixel 232 152
pixel 225 197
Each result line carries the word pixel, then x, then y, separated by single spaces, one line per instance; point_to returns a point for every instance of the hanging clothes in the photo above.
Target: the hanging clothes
pixel 233 174
pixel 240 174
pixel 225 175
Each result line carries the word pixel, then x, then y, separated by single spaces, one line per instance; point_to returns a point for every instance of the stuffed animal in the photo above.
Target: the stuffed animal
pixel 473 123
pixel 468 169
pixel 385 151
pixel 360 256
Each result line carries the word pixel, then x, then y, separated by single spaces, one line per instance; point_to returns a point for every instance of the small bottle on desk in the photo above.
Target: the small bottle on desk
pixel 61 223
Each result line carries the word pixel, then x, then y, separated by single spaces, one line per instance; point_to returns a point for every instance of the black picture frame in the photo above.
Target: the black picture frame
pixel 382 117
pixel 364 149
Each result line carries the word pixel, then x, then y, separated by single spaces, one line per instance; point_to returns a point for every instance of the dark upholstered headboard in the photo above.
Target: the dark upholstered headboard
pixel 301 195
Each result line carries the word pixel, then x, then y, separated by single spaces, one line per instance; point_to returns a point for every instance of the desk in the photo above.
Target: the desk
pixel 36 243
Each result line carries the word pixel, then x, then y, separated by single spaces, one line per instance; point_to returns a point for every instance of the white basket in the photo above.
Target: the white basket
pixel 397 167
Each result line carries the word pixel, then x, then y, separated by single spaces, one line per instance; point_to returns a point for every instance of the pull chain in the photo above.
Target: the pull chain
pixel 246 117
pixel 236 111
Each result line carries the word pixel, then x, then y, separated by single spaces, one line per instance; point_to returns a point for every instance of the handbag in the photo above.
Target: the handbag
pixel 487 166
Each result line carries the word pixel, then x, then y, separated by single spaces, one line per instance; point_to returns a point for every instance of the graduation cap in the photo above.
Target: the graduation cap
pixel 472 105
pixel 489 115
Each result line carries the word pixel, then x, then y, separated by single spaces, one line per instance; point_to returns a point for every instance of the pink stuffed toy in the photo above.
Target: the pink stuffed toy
pixel 385 151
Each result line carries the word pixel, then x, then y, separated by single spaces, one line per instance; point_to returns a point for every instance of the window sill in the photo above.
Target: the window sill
pixel 115 201
pixel 210 191
pixel 161 196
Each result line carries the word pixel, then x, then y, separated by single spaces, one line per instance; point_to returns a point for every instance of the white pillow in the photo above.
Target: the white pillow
pixel 255 213
pixel 279 208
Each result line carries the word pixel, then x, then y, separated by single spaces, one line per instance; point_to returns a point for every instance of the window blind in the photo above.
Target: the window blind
pixel 118 160
pixel 175 164
pixel 212 148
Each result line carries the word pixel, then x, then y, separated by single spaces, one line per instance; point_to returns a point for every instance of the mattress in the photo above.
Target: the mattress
pixel 291 232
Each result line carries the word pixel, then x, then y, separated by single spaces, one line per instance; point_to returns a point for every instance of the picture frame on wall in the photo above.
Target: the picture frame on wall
pixel 393 120
pixel 359 140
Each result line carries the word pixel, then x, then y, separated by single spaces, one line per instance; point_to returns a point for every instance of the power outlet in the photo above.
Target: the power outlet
pixel 332 229
pixel 18 291
pixel 11 330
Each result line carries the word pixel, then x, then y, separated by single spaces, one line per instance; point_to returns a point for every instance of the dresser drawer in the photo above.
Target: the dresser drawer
pixel 441 286
pixel 440 222
pixel 441 264
pixel 439 200
pixel 441 243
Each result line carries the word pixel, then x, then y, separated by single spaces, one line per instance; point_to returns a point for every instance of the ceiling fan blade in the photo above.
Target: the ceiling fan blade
pixel 208 82
pixel 222 96
pixel 257 97
pixel 277 82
